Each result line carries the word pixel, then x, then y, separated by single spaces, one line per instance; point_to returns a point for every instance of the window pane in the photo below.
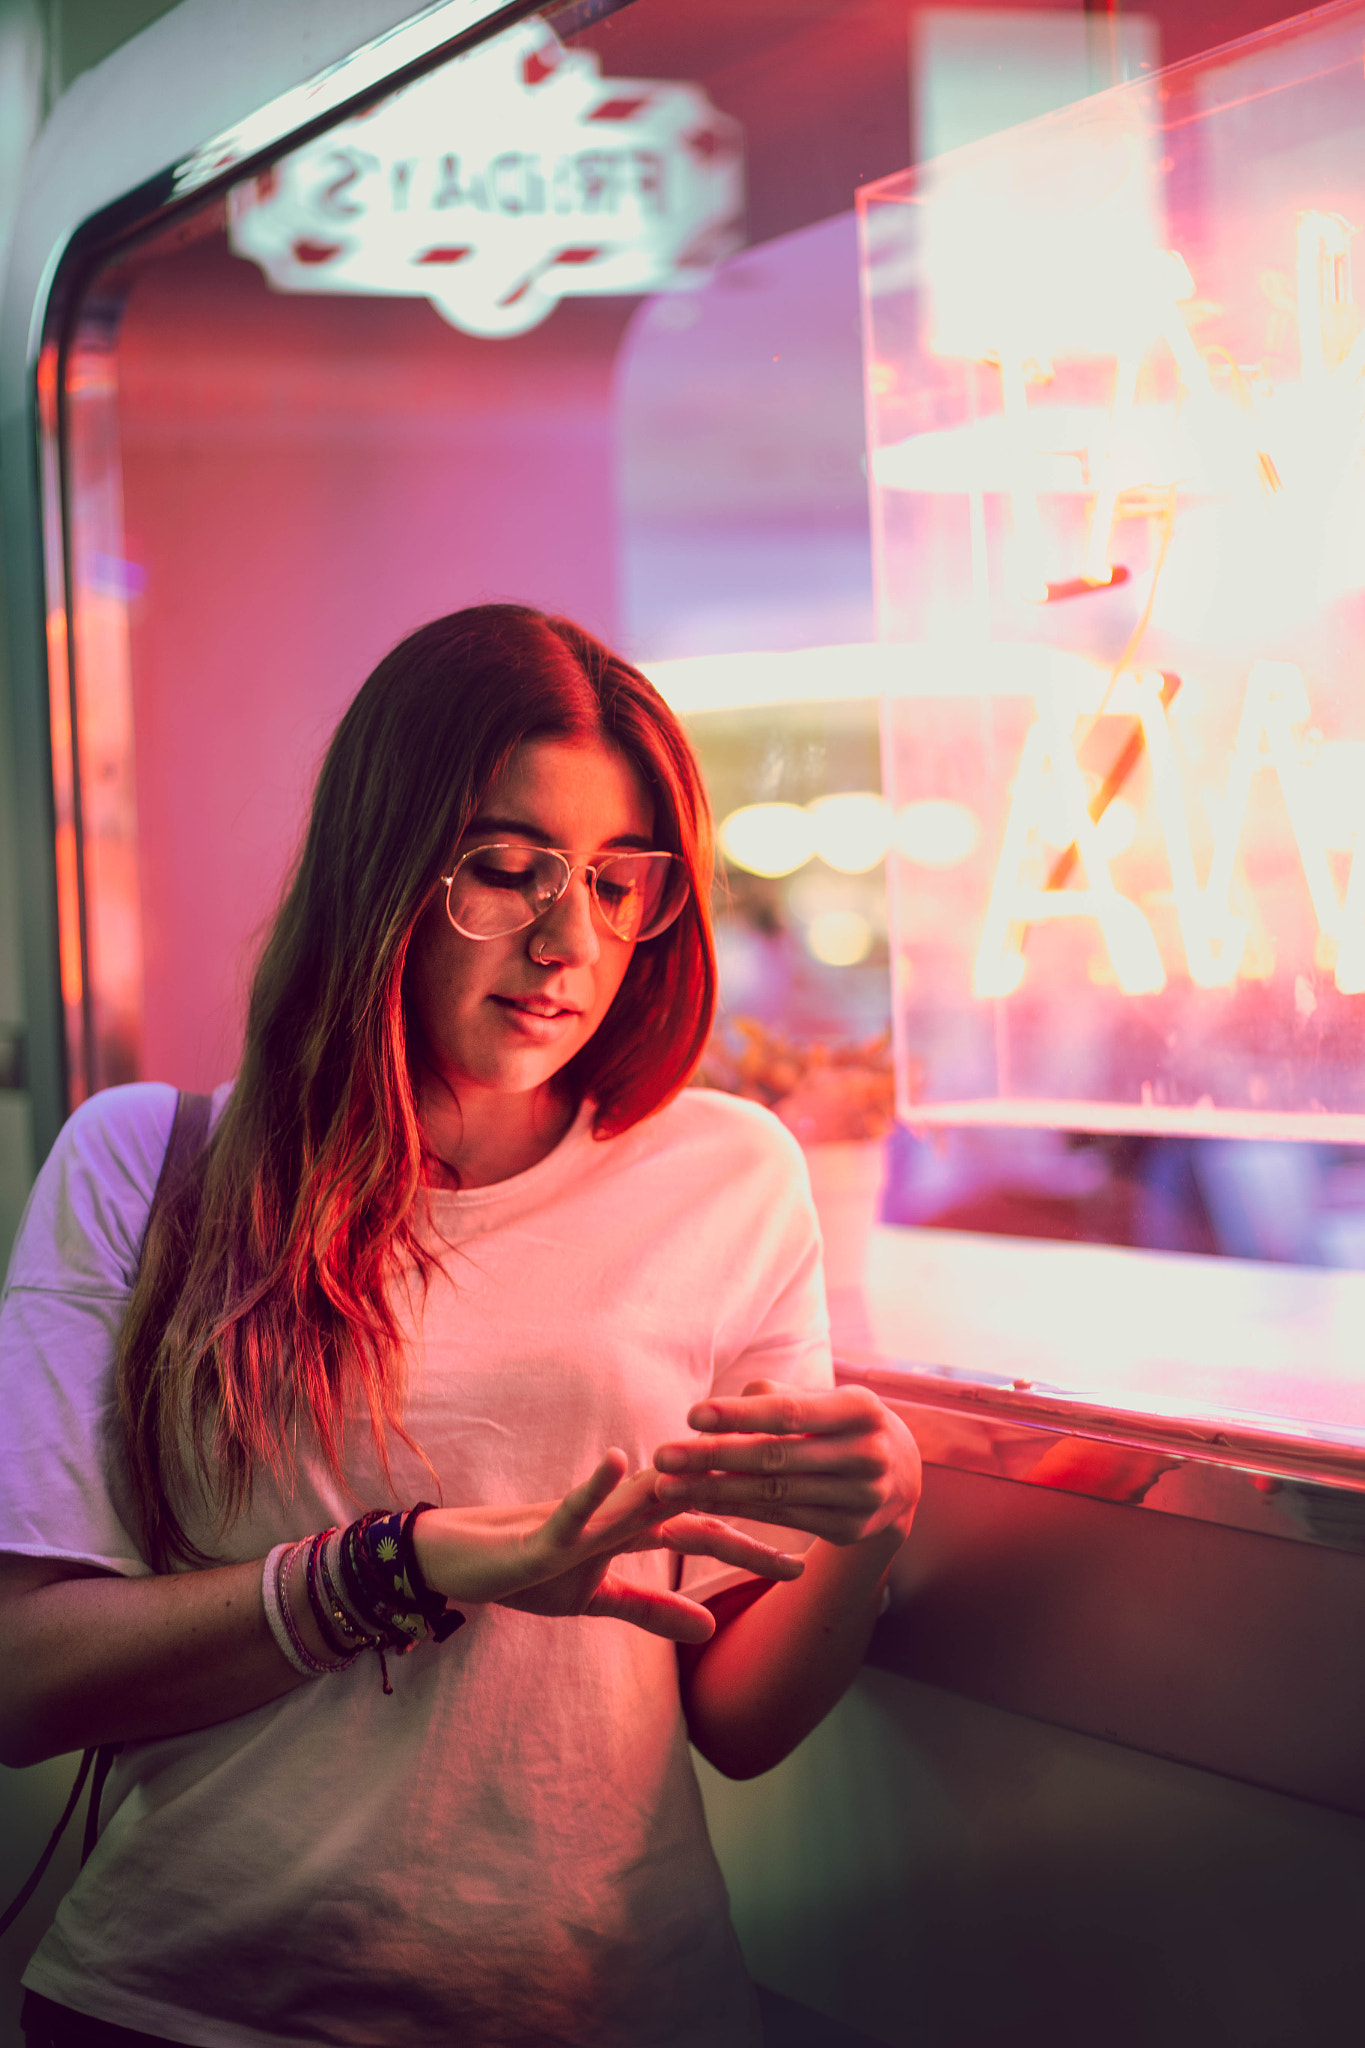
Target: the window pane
pixel 619 321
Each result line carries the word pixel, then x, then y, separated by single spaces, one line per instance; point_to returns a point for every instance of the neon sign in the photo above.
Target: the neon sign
pixel 1323 787
pixel 1116 401
pixel 506 181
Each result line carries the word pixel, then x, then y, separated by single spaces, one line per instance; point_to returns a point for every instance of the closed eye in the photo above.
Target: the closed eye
pixel 513 879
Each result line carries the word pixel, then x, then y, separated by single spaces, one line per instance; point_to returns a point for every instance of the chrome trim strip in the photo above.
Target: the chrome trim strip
pixel 375 69
pixel 1242 1473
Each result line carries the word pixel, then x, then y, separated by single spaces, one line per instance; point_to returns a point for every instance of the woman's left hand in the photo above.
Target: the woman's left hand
pixel 837 1462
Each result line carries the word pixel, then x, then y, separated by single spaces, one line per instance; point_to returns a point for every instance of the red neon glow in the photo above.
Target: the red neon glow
pixel 620 109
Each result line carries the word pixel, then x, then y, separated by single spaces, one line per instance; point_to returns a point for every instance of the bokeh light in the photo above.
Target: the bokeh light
pixel 768 839
pixel 936 833
pixel 852 830
pixel 840 938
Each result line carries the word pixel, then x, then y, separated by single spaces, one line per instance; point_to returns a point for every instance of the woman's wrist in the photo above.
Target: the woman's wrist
pixel 330 1597
pixel 430 1548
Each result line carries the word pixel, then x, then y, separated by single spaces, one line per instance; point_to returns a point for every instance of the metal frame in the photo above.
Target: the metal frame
pixel 39 593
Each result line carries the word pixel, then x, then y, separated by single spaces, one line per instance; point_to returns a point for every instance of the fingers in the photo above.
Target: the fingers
pixel 629 1509
pixel 657 1613
pixel 606 1483
pixel 604 1514
pixel 768 1407
pixel 704 1536
pixel 859 1457
pixel 580 1501
pixel 759 1498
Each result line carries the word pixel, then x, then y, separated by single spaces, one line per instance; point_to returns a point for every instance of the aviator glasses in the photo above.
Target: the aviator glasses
pixel 496 890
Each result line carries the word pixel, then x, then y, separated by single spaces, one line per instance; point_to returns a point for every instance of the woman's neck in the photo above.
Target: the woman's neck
pixel 486 1136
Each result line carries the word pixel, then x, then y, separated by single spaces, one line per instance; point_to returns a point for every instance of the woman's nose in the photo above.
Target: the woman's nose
pixel 567 934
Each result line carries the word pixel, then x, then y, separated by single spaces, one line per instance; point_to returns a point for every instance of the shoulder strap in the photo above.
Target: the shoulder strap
pixel 189 1131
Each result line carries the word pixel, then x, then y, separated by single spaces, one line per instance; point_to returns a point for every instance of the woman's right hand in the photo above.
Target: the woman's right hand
pixel 554 1557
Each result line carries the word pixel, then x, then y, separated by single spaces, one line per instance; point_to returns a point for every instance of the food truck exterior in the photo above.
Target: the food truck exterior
pixel 995 523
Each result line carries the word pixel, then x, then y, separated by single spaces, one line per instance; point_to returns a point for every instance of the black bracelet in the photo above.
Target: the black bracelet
pixel 440 1619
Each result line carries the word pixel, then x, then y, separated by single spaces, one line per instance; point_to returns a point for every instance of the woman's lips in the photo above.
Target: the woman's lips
pixel 538 1016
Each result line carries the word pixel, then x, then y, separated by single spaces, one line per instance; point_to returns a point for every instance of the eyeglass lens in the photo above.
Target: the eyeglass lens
pixel 496 890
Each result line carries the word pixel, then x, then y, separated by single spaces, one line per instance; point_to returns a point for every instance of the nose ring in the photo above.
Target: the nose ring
pixel 539 957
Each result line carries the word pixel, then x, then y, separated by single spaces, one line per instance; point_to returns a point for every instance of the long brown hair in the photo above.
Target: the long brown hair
pixel 263 1301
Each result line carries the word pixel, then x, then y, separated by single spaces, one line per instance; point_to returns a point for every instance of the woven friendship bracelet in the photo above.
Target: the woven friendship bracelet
pixel 349 1625
pixel 270 1600
pixel 275 1600
pixel 344 1647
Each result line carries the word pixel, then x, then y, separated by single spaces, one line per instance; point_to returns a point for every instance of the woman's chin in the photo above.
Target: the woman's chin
pixel 517 1070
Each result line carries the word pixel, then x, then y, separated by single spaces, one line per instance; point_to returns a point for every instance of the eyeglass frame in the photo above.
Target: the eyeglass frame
pixel 584 867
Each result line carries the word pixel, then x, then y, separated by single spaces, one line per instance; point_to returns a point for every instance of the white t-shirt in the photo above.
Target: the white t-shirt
pixel 511 1849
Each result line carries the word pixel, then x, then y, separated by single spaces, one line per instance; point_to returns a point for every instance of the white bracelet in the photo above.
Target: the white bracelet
pixel 270 1600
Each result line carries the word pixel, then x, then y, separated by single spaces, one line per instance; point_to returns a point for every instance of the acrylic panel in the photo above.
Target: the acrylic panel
pixel 1115 411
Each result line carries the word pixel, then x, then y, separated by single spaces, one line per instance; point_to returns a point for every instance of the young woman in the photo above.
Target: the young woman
pixel 457 1236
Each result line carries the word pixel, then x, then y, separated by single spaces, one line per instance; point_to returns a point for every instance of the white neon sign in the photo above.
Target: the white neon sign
pixel 500 184
pixel 1050 805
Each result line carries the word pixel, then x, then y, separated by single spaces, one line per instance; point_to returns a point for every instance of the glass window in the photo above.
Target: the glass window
pixel 994 526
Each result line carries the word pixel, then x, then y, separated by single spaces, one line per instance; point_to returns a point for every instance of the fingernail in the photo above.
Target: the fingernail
pixel 670 1489
pixel 669 1459
pixel 705 1417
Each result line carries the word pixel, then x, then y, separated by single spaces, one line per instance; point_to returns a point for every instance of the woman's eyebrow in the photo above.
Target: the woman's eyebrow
pixel 521 829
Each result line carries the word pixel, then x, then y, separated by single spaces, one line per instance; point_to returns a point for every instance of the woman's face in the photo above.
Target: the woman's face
pixel 506 1014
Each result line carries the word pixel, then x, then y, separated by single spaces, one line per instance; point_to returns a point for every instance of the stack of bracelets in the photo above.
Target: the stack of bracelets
pixel 365 1590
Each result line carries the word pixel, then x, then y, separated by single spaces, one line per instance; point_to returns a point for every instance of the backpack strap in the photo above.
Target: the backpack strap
pixel 189 1133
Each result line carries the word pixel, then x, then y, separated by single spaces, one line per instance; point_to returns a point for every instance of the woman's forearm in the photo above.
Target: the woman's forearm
pixel 92 1659
pixel 771 1673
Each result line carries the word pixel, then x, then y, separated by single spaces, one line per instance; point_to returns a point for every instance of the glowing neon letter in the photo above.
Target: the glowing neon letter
pixel 1048 786
pixel 1276 701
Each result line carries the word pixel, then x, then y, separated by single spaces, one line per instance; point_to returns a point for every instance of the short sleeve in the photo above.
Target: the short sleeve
pixel 788 1339
pixel 74 1264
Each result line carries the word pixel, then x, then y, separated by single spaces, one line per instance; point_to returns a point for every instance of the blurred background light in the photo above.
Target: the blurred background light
pixel 852 830
pixel 839 938
pixel 768 839
pixel 935 833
